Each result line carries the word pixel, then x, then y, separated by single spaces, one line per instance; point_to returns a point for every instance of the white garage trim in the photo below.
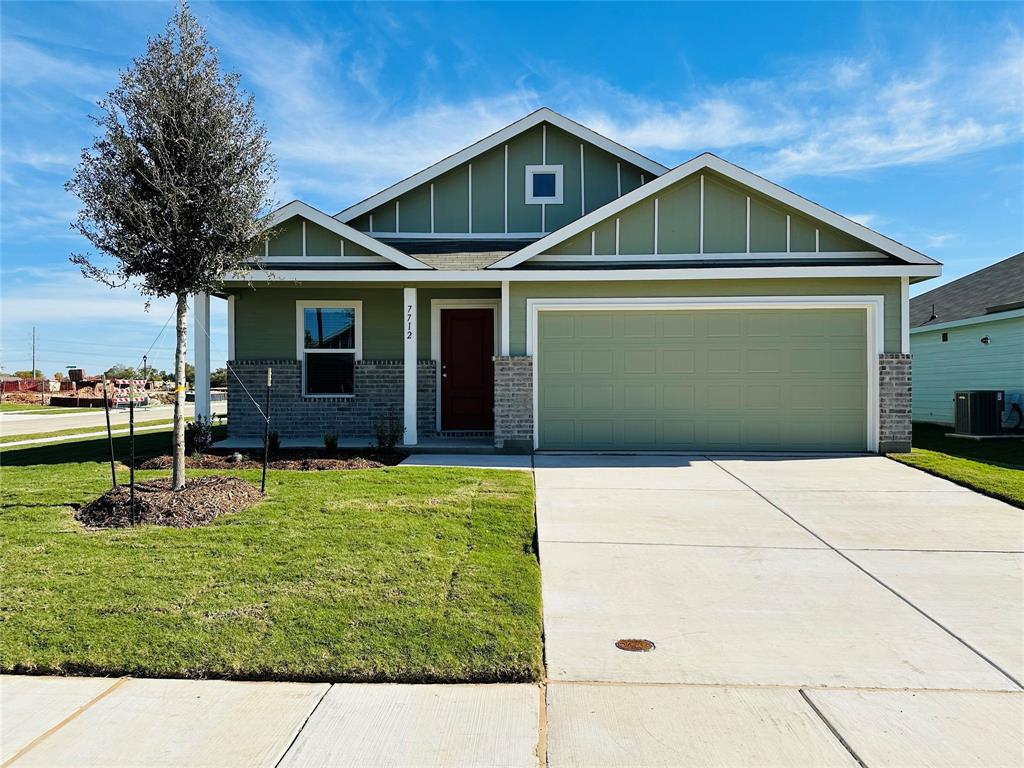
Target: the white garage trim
pixel 436 305
pixel 873 307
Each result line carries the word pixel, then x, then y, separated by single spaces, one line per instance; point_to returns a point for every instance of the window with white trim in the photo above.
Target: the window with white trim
pixel 543 184
pixel 329 347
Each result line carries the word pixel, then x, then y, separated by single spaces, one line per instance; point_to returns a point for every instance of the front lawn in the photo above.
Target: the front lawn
pixel 391 574
pixel 993 467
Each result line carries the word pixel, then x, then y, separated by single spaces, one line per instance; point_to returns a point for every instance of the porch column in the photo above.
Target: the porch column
pixel 201 348
pixel 410 369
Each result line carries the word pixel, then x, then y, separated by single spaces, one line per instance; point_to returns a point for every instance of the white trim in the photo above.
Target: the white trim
pixel 266 248
pixel 409 366
pixel 700 223
pixel 618 180
pixel 838 256
pixel 506 188
pixel 748 223
pixel 787 234
pixel 736 174
pixel 583 183
pixel 593 242
pixel 558 171
pixel 436 305
pixel 905 315
pixel 398 216
pixel 431 207
pixel 470 184
pixel 656 226
pixel 817 240
pixel 459 235
pixel 643 180
pixel 583 276
pixel 371 222
pixel 496 139
pixel 616 235
pixel 503 335
pixel 304 252
pixel 231 327
pixel 1009 314
pixel 544 144
pixel 874 307
pixel 306 211
pixel 341 247
pixel 201 353
pixel 300 347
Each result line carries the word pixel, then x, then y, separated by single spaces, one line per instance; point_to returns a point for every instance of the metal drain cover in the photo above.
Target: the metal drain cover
pixel 634 645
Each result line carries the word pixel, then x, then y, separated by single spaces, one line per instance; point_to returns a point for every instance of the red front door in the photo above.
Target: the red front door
pixel 467 369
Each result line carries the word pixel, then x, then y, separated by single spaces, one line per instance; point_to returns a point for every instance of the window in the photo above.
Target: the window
pixel 945 336
pixel 328 345
pixel 543 184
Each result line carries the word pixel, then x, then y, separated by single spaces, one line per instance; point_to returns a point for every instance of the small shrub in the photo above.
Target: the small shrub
pixel 198 435
pixel 331 443
pixel 390 432
pixel 273 442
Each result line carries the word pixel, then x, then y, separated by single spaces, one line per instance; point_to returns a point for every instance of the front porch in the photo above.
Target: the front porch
pixel 447 389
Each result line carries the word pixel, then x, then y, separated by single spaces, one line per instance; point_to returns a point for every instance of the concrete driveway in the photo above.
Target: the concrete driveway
pixel 805 611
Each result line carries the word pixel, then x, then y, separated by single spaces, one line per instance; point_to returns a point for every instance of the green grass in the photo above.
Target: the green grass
pixel 395 574
pixel 84 430
pixel 42 409
pixel 993 467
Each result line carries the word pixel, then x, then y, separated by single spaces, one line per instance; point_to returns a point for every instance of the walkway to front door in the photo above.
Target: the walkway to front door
pixel 467 370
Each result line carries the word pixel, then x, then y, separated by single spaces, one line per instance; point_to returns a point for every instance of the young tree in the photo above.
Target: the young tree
pixel 175 186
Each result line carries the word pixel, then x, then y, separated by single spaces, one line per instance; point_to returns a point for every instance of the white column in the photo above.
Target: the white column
pixel 201 347
pixel 409 332
pixel 504 327
pixel 905 315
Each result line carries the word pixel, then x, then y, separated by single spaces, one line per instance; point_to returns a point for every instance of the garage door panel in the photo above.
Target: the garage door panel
pixel 703 379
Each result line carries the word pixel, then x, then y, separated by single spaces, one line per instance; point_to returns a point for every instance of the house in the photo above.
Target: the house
pixel 969 334
pixel 549 289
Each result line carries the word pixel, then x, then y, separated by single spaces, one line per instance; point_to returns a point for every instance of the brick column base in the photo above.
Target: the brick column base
pixel 894 403
pixel 513 404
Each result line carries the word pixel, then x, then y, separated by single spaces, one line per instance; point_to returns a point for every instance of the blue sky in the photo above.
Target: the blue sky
pixel 907 117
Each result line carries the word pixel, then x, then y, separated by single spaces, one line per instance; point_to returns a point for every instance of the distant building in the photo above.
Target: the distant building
pixel 969 334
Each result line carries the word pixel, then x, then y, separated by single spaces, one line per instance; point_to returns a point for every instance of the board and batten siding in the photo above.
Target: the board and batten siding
pixel 736 220
pixel 478 197
pixel 264 321
pixel 289 241
pixel 889 287
pixel 964 362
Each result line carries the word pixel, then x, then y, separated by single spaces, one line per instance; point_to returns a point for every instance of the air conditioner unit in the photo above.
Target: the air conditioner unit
pixel 979 412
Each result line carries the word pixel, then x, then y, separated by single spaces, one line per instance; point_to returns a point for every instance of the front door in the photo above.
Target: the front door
pixel 467 369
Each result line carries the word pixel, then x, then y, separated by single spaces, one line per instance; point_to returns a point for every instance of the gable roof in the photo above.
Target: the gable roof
pixel 997 288
pixel 495 139
pixel 306 211
pixel 737 174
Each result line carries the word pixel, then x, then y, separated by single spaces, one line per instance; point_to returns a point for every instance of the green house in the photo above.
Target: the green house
pixel 549 289
pixel 969 334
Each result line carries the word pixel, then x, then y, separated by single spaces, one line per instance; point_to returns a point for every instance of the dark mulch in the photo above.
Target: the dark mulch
pixel 201 501
pixel 292 460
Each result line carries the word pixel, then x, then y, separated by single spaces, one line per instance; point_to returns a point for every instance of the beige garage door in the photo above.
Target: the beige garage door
pixel 765 380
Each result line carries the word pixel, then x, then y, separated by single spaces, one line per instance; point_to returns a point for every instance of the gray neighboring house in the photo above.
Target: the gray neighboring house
pixel 969 334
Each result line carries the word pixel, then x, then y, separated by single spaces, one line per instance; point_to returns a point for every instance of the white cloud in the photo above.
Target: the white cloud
pixel 940 240
pixel 870 220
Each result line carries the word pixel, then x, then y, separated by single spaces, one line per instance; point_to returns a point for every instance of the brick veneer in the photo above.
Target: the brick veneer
pixel 513 403
pixel 379 391
pixel 894 403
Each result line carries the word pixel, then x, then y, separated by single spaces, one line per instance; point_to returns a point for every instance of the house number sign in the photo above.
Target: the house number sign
pixel 408 321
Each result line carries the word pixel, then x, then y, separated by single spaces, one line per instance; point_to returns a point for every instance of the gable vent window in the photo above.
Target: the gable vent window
pixel 543 184
pixel 945 337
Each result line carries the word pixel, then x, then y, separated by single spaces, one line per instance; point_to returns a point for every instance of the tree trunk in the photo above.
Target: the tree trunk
pixel 181 327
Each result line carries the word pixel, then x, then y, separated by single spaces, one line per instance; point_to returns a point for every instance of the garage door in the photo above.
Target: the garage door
pixel 777 379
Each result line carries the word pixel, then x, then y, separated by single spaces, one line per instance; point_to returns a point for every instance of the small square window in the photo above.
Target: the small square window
pixel 543 184
pixel 945 336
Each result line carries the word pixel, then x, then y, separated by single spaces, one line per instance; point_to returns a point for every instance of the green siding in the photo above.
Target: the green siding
pixel 564 150
pixel 801 234
pixel 725 217
pixel 384 218
pixel 940 368
pixel 684 380
pixel 451 201
pixel 679 217
pixel 831 239
pixel 414 210
pixel 287 239
pixel 321 242
pixel 767 227
pixel 600 181
pixel 577 245
pixel 525 149
pixel 362 223
pixel 636 230
pixel 265 317
pixel 889 287
pixel 488 191
pixel 631 177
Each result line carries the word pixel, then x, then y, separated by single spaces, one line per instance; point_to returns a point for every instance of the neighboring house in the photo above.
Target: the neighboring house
pixel 554 290
pixel 969 334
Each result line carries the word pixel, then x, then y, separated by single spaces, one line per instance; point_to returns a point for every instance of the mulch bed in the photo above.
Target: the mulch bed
pixel 202 500
pixel 299 461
